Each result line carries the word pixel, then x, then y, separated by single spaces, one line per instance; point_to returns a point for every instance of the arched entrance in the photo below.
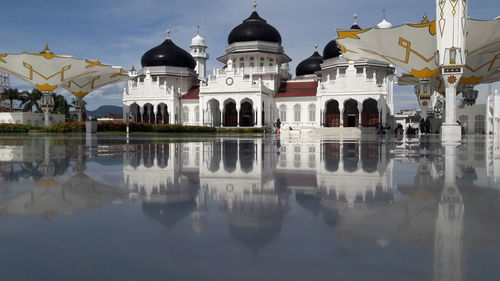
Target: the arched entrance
pixel 350 157
pixel 246 115
pixel 229 155
pixel 230 115
pixel 162 114
pixel 351 114
pixel 213 113
pixel 246 155
pixel 369 157
pixel 331 156
pixel 370 115
pixel 135 113
pixel 148 115
pixel 332 114
pixel 215 157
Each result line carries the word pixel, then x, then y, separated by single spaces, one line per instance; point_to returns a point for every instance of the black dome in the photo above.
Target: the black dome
pixel 331 50
pixel 168 54
pixel 309 65
pixel 355 26
pixel 254 28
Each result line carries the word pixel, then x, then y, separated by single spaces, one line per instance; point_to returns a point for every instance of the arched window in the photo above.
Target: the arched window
pixel 197 113
pixel 283 113
pixel 296 112
pixel 312 112
pixel 479 124
pixel 185 114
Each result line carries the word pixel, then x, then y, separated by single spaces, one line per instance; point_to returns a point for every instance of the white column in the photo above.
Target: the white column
pixel 258 115
pixel 451 131
pixel 341 109
pixel 360 109
pixel 155 114
pixel 451 29
pixel 238 108
pixel 448 241
pixel 47 118
pixel 141 111
pixel 221 116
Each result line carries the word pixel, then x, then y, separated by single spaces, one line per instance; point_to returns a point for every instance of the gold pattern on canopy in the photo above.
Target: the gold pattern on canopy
pixel 412 47
pixel 83 85
pixel 47 71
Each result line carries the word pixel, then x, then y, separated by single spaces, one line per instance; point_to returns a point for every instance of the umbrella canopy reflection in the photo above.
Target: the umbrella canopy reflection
pixel 49 198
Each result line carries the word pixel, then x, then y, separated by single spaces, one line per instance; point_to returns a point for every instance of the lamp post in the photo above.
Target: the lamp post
pixel 424 91
pixel 47 105
pixel 470 95
pixel 79 108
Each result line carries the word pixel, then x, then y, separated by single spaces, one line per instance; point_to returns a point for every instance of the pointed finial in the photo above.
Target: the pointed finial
pixel 316 47
pixel 133 68
pixel 254 5
pixel 198 29
pixel 424 18
pixel 168 33
pixel 384 11
pixel 46 49
pixel 355 17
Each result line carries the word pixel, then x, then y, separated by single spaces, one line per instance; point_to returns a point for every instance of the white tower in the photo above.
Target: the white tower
pixel 198 51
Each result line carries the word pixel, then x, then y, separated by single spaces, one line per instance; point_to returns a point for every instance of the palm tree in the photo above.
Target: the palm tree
pixel 30 100
pixel 11 95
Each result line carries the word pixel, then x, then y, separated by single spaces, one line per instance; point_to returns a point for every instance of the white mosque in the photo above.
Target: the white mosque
pixel 255 87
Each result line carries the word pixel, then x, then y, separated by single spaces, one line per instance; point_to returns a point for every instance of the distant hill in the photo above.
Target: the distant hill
pixel 106 109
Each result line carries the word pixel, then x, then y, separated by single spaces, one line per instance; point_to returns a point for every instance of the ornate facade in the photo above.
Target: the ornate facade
pixel 255 87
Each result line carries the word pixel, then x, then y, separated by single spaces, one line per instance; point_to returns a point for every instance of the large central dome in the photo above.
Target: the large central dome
pixel 254 28
pixel 168 54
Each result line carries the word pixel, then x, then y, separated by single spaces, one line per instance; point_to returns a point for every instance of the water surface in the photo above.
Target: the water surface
pixel 248 208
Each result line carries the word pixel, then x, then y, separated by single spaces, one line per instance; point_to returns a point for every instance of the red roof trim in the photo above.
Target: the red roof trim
pixel 297 89
pixel 192 94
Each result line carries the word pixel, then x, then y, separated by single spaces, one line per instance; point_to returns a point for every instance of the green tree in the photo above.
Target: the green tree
pixel 61 105
pixel 11 95
pixel 30 100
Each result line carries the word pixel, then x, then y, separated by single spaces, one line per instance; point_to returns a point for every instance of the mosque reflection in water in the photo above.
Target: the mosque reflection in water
pixel 349 184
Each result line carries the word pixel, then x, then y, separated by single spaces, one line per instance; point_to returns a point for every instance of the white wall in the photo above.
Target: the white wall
pixel 29 118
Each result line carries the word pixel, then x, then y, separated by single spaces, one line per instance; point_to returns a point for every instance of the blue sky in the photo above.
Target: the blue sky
pixel 118 32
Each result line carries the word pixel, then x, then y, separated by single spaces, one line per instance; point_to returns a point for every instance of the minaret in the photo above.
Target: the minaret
pixel 198 51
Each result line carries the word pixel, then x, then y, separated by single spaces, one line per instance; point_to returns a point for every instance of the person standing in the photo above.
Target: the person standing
pixel 278 127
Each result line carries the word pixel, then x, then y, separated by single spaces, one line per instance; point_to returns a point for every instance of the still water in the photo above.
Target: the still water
pixel 248 208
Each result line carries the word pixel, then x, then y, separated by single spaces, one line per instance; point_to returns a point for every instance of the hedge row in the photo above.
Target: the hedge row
pixel 15 128
pixel 79 127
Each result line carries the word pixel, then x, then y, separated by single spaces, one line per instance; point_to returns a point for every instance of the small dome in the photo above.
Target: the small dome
pixel 384 24
pixel 198 41
pixel 331 50
pixel 168 54
pixel 254 28
pixel 356 26
pixel 309 65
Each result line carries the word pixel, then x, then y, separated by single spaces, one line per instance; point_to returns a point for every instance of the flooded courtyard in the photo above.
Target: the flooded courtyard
pixel 248 208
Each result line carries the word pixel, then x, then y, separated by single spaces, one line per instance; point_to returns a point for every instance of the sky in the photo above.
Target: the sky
pixel 119 32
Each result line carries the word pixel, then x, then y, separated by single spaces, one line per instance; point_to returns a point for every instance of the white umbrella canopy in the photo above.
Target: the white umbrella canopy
pixel 83 85
pixel 412 47
pixel 408 46
pixel 47 71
